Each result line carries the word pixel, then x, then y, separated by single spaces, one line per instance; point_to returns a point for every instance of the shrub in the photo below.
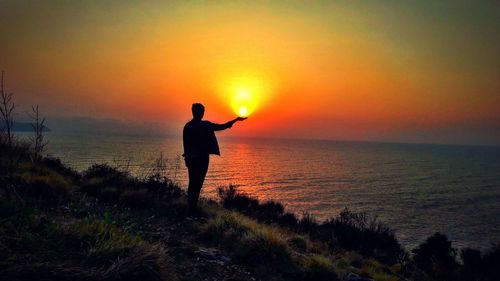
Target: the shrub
pixel 227 228
pixel 351 231
pixel 137 199
pixel 163 187
pixel 103 171
pixel 358 231
pixel 112 186
pixel 108 176
pixel 319 268
pixel 307 224
pixel 373 269
pixel 436 257
pixel 232 199
pixel 472 263
pixel 480 267
pixel 267 212
pixel 102 240
pixel 110 195
pixel 288 220
pixel 92 186
pixel 248 242
pixel 36 249
pixel 262 246
pixel 50 188
pixel 299 243
pixel 55 164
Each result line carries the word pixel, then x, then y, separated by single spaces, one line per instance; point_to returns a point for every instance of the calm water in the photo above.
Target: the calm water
pixel 416 189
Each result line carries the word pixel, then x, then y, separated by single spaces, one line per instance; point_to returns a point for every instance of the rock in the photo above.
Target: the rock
pixel 212 255
pixel 351 276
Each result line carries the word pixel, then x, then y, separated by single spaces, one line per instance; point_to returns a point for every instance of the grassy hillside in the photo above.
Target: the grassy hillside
pixel 104 224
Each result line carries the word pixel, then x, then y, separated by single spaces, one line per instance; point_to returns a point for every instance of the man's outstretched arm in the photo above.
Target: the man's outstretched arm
pixel 227 125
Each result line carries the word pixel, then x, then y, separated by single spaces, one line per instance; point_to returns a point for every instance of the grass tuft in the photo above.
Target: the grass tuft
pixel 319 268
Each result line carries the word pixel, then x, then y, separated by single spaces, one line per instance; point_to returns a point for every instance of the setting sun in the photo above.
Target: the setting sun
pixel 242 102
pixel 246 93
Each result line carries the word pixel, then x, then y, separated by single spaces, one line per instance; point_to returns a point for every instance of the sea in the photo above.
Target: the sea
pixel 416 189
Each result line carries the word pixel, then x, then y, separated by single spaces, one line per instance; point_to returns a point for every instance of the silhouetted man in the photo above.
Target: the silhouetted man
pixel 199 142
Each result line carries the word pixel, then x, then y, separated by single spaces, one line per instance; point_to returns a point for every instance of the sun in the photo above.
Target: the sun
pixel 244 102
pixel 244 93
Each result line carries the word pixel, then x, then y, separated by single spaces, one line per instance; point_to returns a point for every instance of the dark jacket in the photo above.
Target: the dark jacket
pixel 199 138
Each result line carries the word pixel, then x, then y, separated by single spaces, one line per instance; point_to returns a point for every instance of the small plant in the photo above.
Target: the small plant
pixel 137 199
pixel 47 188
pixel 307 224
pixel 299 243
pixel 267 212
pixel 358 231
pixel 250 243
pixel 436 257
pixel 320 268
pixel 7 107
pixel 38 141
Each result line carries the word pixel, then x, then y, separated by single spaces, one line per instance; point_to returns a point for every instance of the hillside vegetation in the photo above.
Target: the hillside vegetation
pixel 104 224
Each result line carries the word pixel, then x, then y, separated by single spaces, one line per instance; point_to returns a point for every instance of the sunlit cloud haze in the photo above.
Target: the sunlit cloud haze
pixel 413 71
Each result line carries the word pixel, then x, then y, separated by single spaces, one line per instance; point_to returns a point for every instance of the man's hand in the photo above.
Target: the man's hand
pixel 230 123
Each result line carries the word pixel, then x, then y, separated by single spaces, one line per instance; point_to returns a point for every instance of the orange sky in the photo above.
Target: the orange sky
pixel 329 69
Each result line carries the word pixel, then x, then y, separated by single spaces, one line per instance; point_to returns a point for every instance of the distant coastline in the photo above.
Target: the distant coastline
pixel 26 127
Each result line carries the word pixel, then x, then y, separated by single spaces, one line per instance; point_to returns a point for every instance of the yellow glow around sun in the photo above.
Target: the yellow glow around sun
pixel 243 102
pixel 245 93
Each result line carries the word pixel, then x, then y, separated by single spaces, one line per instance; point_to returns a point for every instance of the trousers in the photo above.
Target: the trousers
pixel 197 170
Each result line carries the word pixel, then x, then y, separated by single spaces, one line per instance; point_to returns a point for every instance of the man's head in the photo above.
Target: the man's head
pixel 198 110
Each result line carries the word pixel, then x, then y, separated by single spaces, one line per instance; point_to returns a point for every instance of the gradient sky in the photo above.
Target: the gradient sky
pixel 415 71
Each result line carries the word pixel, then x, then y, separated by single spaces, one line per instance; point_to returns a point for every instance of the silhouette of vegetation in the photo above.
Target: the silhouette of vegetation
pixel 436 257
pixel 360 232
pixel 34 248
pixel 114 186
pixel 7 107
pixel 62 233
pixel 317 267
pixel 251 243
pixel 268 212
pixel 38 140
pixel 350 231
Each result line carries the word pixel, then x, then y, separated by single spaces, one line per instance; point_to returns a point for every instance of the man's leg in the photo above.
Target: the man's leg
pixel 197 171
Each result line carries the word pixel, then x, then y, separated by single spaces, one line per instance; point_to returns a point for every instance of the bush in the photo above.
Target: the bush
pixel 299 243
pixel 232 199
pixel 262 246
pixel 319 268
pixel 105 175
pixel 436 257
pixel 248 242
pixel 480 267
pixel 472 263
pixel 50 188
pixel 33 248
pixel 288 220
pixel 351 231
pixel 358 231
pixel 307 224
pixel 112 186
pixel 163 187
pixel 110 195
pixel 491 263
pixel 55 164
pixel 267 212
pixel 227 228
pixel 137 199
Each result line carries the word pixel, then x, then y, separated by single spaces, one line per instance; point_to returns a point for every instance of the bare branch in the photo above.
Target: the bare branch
pixel 7 108
pixel 38 125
